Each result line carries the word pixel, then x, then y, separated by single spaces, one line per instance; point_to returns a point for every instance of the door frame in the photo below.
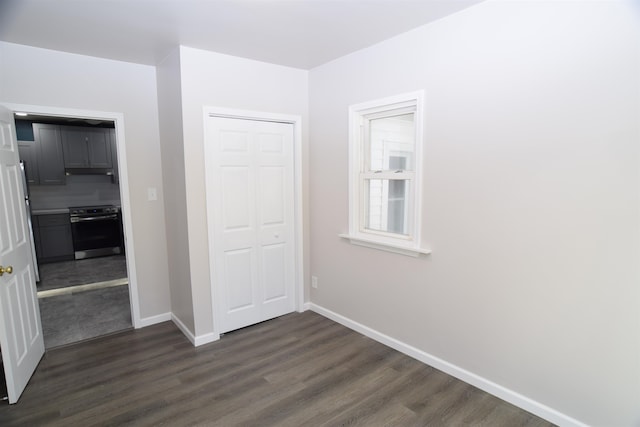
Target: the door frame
pixel 118 119
pixel 298 241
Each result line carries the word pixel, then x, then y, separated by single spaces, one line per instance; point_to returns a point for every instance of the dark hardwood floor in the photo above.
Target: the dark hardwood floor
pixel 298 370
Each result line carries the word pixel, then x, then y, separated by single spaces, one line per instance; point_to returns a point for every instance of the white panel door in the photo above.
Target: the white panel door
pixel 21 338
pixel 252 218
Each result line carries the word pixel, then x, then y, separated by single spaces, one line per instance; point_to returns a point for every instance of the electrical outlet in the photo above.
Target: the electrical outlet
pixel 314 282
pixel 152 194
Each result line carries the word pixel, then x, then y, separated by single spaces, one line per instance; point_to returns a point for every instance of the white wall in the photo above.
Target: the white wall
pixel 212 79
pixel 55 79
pixel 173 171
pixel 531 201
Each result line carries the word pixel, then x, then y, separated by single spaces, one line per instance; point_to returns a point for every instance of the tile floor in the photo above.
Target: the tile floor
pixel 81 314
pixel 88 314
pixel 70 273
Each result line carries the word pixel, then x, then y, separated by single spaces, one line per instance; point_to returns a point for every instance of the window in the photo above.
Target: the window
pixel 385 174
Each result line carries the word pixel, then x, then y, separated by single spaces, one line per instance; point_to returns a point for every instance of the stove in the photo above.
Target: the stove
pixel 96 230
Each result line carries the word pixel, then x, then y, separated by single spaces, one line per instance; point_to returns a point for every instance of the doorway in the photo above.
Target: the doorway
pixel 82 297
pixel 254 216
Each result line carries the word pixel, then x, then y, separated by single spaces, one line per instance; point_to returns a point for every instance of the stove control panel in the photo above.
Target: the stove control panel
pixel 94 210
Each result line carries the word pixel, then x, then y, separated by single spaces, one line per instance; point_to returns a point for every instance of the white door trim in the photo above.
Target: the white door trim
pixel 125 198
pixel 296 121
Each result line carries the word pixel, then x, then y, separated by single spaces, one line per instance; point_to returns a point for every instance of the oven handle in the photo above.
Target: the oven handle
pixel 93 218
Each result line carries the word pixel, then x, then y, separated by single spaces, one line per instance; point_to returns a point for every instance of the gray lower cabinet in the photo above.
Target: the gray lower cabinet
pixel 52 235
pixel 49 159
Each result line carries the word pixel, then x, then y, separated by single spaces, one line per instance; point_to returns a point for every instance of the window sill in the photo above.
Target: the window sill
pixel 374 244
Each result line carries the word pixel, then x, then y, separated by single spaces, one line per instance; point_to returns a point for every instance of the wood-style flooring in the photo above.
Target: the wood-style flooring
pixel 297 370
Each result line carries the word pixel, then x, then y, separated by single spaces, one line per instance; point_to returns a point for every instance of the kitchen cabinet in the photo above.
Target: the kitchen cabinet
pixel 52 236
pixel 28 154
pixel 85 147
pixel 49 158
pixel 114 156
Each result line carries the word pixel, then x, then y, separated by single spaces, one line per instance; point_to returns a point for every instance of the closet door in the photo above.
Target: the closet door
pixel 253 220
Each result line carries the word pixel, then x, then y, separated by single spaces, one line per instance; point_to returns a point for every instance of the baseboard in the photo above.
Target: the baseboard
pixel 497 390
pixel 152 320
pixel 183 328
pixel 195 340
pixel 305 307
pixel 206 339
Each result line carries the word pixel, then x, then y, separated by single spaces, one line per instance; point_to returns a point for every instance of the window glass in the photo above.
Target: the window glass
pixel 387 205
pixel 388 136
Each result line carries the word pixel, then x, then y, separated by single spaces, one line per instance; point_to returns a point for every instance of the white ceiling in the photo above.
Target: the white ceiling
pixel 297 33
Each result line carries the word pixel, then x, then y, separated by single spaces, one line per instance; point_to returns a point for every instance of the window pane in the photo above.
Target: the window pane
pixel 386 205
pixel 391 138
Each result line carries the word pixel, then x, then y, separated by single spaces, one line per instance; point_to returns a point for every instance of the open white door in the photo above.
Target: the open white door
pixel 21 338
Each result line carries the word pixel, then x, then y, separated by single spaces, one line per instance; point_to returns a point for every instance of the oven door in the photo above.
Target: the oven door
pixel 96 235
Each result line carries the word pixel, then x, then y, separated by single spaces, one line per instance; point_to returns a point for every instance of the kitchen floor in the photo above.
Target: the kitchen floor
pixel 91 270
pixel 83 299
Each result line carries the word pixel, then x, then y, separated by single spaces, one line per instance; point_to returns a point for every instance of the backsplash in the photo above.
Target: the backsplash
pixel 80 190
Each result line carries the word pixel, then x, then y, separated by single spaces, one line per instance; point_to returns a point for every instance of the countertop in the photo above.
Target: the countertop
pixel 49 211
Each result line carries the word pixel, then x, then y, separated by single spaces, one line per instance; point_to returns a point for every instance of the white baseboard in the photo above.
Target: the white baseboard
pixel 183 328
pixel 152 320
pixel 497 390
pixel 206 339
pixel 195 340
pixel 305 307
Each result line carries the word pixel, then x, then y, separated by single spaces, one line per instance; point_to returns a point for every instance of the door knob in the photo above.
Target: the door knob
pixel 7 270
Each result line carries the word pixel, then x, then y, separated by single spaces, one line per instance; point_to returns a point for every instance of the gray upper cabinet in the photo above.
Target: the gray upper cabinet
pixel 48 155
pixel 29 155
pixel 75 147
pixel 100 149
pixel 86 147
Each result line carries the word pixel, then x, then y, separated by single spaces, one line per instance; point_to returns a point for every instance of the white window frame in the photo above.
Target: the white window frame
pixel 359 115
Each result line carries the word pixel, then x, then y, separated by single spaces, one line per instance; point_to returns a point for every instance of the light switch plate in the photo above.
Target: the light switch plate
pixel 152 194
